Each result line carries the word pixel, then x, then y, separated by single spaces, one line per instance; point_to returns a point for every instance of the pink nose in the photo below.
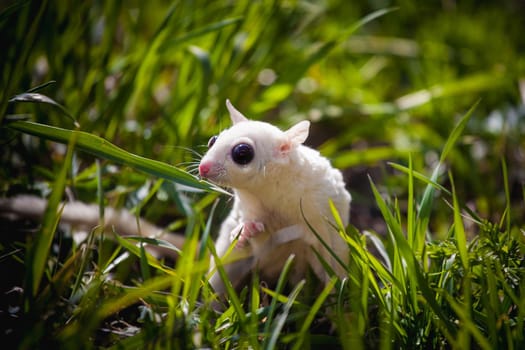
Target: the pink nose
pixel 204 169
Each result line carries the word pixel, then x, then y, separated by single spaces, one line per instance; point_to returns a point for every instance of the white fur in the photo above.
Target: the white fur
pixel 283 177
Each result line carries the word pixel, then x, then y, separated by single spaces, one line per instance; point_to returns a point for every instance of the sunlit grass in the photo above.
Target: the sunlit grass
pixel 101 101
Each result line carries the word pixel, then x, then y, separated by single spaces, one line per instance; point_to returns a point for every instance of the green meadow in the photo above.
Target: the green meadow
pixel 421 104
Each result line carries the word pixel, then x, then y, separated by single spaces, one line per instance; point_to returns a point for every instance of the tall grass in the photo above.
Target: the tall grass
pixel 133 91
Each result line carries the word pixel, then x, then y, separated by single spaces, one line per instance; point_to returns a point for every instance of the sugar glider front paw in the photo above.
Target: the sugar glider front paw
pixel 245 231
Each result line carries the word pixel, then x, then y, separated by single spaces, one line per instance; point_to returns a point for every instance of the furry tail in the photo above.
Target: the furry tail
pixel 86 217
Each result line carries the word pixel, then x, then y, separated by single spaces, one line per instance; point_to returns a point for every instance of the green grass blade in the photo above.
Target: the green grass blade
pixel 234 298
pixel 375 270
pixel 137 250
pixel 428 196
pixel 34 97
pixel 97 231
pixel 154 241
pixel 132 295
pixel 321 240
pixel 61 280
pixel 22 52
pixel 43 86
pixel 143 260
pixel 507 199
pixel 313 311
pixel 85 259
pixel 254 307
pixel 100 147
pixel 199 32
pixel 395 228
pixel 467 323
pixel 458 130
pixel 190 267
pixel 273 305
pixel 459 230
pixel 50 220
pixel 281 318
pixel 411 234
pixel 206 234
pixel 419 176
pixel 369 18
pixel 425 208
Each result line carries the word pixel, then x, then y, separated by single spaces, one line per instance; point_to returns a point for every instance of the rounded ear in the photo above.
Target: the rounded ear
pixel 235 115
pixel 298 133
pixel 294 136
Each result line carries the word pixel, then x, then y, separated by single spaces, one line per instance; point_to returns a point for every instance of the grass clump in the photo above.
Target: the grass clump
pixel 110 103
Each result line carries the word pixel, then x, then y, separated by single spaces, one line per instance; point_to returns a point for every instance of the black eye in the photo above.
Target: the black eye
pixel 242 153
pixel 211 141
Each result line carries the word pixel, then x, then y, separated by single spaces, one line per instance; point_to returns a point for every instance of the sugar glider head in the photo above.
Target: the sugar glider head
pixel 243 155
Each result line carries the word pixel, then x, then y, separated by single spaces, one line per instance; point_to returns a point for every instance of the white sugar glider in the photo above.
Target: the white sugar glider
pixel 277 183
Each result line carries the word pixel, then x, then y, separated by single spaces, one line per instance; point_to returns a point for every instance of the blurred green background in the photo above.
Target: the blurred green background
pixel 152 77
pixel 382 81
